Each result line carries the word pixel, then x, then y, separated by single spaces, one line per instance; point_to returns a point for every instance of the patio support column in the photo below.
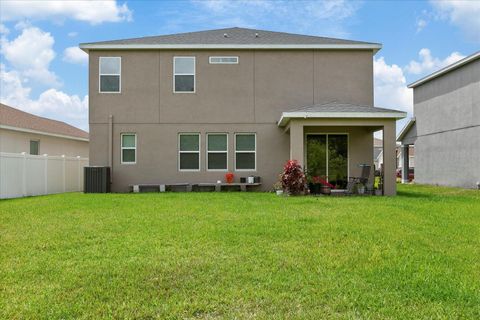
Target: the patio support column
pixel 405 163
pixel 296 142
pixel 389 158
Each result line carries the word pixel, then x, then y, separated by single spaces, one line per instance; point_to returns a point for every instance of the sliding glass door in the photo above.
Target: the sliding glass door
pixel 327 157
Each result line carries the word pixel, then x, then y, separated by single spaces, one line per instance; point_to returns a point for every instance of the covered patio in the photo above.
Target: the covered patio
pixel 334 139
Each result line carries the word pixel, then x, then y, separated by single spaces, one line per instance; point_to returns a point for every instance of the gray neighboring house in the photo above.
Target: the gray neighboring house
pixel 191 107
pixel 445 129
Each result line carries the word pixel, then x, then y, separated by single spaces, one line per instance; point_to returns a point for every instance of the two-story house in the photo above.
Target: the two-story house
pixel 190 107
pixel 446 128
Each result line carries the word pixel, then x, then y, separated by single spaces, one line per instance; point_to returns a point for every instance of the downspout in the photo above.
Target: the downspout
pixel 110 146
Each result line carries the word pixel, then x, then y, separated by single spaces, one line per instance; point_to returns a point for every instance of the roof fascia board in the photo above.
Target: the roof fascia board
pixel 86 46
pixel 286 116
pixel 42 133
pixel 405 129
pixel 447 69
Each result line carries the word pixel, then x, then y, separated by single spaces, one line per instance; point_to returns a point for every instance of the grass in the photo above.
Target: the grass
pixel 237 255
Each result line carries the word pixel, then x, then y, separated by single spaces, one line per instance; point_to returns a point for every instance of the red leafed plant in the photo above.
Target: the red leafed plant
pixel 293 178
pixel 229 177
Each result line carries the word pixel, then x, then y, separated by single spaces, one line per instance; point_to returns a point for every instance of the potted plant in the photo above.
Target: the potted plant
pixel 277 187
pixel 229 177
pixel 314 184
pixel 293 178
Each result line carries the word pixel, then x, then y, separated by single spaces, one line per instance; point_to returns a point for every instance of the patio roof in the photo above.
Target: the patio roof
pixel 336 109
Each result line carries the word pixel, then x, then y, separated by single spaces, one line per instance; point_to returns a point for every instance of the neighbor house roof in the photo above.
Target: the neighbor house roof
pixel 14 119
pixel 336 109
pixel 405 129
pixel 447 69
pixel 232 38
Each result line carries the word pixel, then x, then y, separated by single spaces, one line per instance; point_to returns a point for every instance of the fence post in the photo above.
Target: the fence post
pixel 46 172
pixel 64 173
pixel 24 174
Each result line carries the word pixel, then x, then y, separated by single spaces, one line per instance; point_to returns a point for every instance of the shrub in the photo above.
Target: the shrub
pixel 293 178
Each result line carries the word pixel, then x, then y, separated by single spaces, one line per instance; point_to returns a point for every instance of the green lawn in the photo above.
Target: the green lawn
pixel 241 255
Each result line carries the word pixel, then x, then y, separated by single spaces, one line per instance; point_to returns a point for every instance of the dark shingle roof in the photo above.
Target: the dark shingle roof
pixel 19 119
pixel 335 106
pixel 336 109
pixel 238 36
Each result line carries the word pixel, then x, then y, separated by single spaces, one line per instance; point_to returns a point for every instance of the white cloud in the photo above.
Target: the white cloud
pixel 428 63
pixel 51 103
pixel 31 53
pixel 421 24
pixel 4 29
pixel 94 12
pixel 464 14
pixel 391 87
pixel 72 34
pixel 327 18
pixel 75 55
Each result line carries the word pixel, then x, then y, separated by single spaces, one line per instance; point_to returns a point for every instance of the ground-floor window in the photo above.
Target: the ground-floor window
pixel 245 151
pixel 189 151
pixel 217 151
pixel 34 147
pixel 327 157
pixel 129 148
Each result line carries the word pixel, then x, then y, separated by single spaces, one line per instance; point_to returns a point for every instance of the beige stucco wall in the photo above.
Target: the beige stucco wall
pixel 247 97
pixel 17 142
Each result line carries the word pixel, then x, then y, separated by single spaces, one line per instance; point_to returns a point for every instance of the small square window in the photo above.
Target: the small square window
pixel 34 147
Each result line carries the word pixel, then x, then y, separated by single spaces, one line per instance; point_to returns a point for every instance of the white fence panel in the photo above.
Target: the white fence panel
pixel 35 175
pixel 29 175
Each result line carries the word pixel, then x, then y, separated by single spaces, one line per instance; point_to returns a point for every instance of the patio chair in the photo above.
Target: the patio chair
pixel 363 180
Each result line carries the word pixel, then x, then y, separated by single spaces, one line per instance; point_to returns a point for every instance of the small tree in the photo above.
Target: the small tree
pixel 293 178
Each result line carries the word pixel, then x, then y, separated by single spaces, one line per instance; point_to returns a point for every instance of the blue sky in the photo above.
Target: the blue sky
pixel 44 72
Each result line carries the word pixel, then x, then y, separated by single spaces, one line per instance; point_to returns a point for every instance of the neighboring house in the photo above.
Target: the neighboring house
pixel 411 157
pixel 190 107
pixel 446 126
pixel 24 132
pixel 377 153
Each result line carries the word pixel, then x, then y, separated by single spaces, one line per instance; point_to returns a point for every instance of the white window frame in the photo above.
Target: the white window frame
pixel 207 151
pixel 128 148
pixel 199 148
pixel 186 74
pixel 221 57
pixel 237 151
pixel 110 74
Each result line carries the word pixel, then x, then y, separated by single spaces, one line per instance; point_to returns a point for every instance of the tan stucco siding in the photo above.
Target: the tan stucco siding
pixel 17 142
pixel 258 89
pixel 245 97
pixel 157 153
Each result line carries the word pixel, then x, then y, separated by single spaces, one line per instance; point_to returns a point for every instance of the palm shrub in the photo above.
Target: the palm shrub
pixel 293 179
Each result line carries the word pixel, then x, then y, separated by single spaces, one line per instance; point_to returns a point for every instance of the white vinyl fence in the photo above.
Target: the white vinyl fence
pixel 28 175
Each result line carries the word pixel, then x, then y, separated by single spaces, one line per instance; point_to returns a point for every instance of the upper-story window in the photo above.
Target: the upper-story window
pixel 183 74
pixel 223 60
pixel 110 73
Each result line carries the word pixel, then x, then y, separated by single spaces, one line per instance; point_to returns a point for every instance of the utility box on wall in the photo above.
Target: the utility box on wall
pixel 97 180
